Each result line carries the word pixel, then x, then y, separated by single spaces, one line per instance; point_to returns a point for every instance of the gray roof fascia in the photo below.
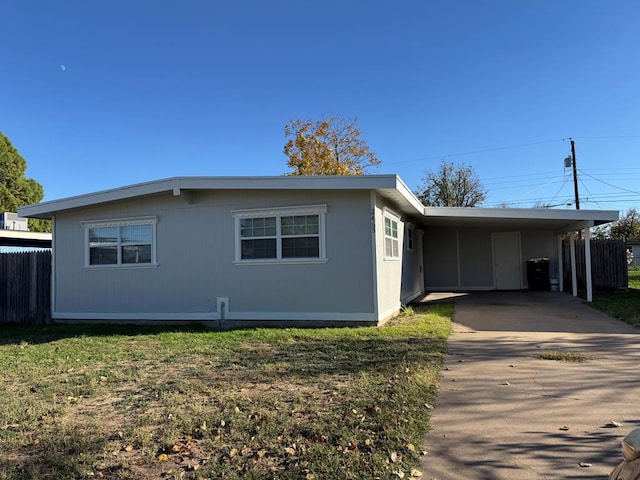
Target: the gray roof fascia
pixel 177 185
pixel 522 213
pixel 575 219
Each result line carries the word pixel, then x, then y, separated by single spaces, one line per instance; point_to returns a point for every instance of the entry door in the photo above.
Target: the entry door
pixel 507 260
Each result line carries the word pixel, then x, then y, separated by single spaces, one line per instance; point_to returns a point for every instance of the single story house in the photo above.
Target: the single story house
pixel 294 250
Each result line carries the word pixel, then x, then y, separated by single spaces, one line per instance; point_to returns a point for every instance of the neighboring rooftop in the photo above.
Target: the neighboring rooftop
pixel 17 238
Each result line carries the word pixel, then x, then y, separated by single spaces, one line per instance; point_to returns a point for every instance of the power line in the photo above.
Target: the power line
pixel 610 184
pixel 587 189
pixel 608 137
pixel 561 187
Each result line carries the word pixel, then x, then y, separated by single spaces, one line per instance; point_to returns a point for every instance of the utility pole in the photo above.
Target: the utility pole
pixel 575 173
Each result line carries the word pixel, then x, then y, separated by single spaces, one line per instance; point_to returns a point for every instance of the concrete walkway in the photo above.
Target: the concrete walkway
pixel 502 413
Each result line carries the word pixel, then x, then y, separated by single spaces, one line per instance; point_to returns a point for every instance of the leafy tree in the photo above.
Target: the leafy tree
pixel 600 232
pixel 331 146
pixel 628 226
pixel 451 186
pixel 15 189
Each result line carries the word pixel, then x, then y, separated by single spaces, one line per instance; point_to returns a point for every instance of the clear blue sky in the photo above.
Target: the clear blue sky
pixel 101 94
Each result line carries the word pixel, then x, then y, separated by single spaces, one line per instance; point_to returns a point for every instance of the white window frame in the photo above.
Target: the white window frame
pixel 120 222
pixel 278 213
pixel 391 217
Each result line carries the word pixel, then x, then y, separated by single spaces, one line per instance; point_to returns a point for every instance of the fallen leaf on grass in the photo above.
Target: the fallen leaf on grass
pixel 395 458
pixel 163 457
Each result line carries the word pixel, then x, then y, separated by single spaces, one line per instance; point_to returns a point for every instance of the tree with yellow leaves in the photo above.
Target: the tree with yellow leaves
pixel 330 146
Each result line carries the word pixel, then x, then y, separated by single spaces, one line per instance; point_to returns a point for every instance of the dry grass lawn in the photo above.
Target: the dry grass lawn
pixel 139 402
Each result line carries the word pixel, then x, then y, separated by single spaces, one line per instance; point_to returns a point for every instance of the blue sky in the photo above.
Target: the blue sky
pixel 98 94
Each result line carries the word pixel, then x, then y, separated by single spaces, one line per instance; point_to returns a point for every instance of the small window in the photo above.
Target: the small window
pixel 120 242
pixel 287 234
pixel 410 237
pixel 391 249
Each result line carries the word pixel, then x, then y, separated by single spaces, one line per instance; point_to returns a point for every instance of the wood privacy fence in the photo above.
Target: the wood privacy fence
pixel 608 264
pixel 25 287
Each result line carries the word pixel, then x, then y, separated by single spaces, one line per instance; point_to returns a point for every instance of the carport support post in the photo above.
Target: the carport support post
pixel 560 266
pixel 587 263
pixel 574 279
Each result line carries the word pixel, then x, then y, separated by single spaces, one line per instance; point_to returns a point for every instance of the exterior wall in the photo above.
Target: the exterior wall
pixel 388 271
pixel 540 243
pixel 440 249
pixel 195 247
pixel 462 258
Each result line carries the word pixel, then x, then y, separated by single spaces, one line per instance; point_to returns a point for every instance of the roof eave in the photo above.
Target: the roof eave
pixel 177 185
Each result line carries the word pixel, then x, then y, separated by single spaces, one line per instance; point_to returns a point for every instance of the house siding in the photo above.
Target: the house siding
pixel 389 271
pixel 195 246
pixel 440 248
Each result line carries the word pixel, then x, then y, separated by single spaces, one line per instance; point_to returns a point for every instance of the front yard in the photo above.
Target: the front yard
pixel 141 402
pixel 624 305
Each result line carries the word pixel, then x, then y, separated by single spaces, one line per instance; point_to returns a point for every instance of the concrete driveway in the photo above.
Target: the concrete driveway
pixel 502 413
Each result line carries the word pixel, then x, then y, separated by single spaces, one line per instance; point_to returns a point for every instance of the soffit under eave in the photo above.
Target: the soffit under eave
pixel 558 226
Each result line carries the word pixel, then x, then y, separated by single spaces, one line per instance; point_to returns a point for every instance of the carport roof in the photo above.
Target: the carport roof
pixel 560 221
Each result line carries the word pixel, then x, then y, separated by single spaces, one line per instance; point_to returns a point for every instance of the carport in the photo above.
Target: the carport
pixel 486 248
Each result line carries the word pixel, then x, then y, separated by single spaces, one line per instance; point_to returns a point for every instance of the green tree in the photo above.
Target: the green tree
pixel 15 189
pixel 330 146
pixel 451 186
pixel 628 226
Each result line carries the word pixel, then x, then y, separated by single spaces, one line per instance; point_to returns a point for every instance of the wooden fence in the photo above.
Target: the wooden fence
pixel 608 264
pixel 25 288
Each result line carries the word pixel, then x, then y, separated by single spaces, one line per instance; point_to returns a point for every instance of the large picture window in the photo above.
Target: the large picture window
pixel 287 234
pixel 120 242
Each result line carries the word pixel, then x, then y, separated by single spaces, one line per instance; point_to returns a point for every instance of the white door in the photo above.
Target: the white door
pixel 507 260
